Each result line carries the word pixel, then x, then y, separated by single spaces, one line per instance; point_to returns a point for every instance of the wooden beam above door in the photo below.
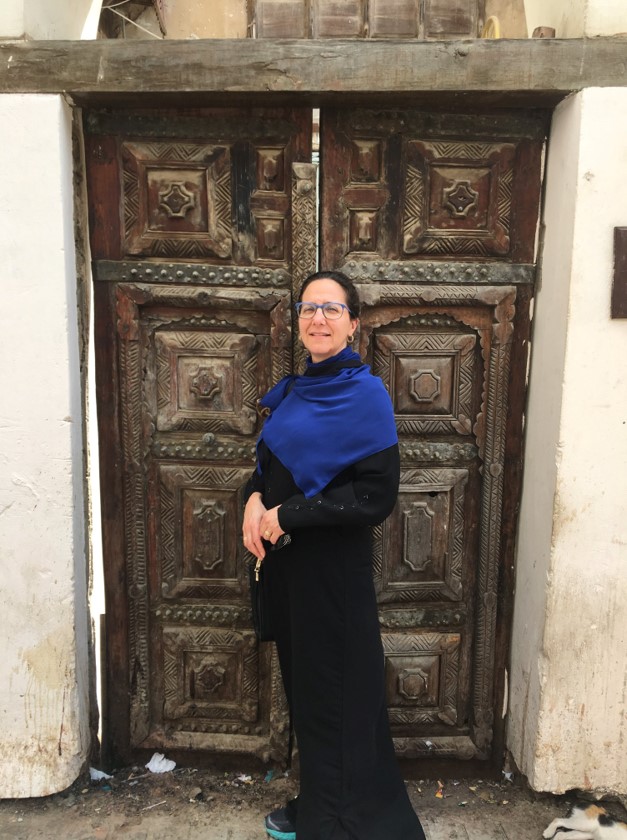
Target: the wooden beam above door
pixel 491 72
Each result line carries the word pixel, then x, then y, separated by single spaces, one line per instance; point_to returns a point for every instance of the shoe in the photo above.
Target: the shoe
pixel 279 826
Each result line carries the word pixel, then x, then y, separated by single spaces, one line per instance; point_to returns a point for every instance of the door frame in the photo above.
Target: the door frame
pixel 304 195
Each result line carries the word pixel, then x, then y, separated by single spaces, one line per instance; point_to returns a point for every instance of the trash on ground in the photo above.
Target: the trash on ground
pixel 160 764
pixel 269 776
pixel 155 805
pixel 98 775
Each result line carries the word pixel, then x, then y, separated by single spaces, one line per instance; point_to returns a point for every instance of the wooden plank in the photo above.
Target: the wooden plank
pixel 544 67
pixel 393 18
pixel 338 18
pixel 451 18
pixel 281 19
pixel 619 284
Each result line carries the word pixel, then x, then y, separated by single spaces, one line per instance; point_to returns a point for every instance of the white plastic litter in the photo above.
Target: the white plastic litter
pixel 160 764
pixel 97 775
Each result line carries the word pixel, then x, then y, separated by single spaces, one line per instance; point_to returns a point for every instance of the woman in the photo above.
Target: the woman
pixel 328 469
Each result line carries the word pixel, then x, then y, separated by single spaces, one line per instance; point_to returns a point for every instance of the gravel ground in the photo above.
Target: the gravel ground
pixel 138 805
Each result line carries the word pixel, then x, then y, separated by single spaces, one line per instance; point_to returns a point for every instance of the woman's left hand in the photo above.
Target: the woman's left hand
pixel 269 526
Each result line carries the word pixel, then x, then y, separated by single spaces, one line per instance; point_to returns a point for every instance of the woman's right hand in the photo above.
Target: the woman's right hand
pixel 251 532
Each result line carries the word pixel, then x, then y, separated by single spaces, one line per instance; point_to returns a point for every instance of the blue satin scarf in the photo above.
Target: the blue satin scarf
pixel 320 423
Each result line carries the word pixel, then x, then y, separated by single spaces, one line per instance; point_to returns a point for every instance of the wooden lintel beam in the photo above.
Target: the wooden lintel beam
pixel 309 67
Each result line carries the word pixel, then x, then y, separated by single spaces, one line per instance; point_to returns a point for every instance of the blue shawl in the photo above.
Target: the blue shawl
pixel 331 417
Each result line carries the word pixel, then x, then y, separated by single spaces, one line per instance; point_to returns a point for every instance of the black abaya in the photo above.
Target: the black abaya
pixel 326 627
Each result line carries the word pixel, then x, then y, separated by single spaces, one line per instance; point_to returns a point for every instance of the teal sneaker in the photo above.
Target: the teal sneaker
pixel 279 826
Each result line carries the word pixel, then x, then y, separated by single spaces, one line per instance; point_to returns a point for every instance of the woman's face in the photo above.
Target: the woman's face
pixel 323 338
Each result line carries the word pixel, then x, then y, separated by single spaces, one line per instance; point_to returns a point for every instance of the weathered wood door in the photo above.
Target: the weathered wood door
pixel 197 221
pixel 202 226
pixel 434 215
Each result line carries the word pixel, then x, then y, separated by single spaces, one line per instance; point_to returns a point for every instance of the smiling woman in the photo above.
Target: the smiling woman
pixel 325 330
pixel 325 479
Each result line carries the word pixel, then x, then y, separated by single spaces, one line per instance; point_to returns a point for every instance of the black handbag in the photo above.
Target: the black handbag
pixel 259 602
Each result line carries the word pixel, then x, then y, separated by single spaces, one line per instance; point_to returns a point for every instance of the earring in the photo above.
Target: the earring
pixel 350 339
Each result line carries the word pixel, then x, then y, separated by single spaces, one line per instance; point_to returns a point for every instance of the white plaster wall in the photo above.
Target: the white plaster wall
pixel 568 700
pixel 44 738
pixel 578 18
pixel 566 17
pixel 606 17
pixel 11 18
pixel 59 19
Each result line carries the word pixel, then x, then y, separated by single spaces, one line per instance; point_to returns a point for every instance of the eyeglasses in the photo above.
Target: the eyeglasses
pixel 331 311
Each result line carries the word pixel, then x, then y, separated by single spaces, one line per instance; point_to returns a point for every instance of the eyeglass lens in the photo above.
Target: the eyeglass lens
pixel 329 310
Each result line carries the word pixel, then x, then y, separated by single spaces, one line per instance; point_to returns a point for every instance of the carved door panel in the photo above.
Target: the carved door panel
pixel 196 220
pixel 434 216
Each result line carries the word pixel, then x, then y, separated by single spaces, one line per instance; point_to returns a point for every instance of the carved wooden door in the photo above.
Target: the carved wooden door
pixel 200 224
pixel 435 215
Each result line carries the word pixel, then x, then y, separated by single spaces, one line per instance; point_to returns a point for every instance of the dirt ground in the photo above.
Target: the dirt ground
pixel 191 803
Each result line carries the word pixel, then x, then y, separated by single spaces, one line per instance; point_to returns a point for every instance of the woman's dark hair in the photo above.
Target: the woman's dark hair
pixel 352 296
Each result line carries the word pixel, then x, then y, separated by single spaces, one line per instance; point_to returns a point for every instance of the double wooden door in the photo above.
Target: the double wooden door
pixel 203 226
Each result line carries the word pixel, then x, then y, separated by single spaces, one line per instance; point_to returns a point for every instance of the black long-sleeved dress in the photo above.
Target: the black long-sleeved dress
pixel 325 621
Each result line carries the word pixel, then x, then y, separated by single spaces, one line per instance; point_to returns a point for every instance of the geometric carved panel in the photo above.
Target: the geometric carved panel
pixel 270 237
pixel 429 377
pixel 177 199
pixel 421 677
pixel 199 545
pixel 366 161
pixel 458 198
pixel 210 674
pixel 363 235
pixel 271 174
pixel 270 203
pixel 206 381
pixel 423 539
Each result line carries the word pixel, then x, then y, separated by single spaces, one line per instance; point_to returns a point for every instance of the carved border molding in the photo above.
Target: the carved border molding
pixel 214 615
pixel 197 274
pixel 455 273
pixel 207 447
pixel 452 746
pixel 304 238
pixel 420 450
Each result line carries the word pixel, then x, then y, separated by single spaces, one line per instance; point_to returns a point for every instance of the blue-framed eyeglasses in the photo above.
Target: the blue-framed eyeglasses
pixel 331 310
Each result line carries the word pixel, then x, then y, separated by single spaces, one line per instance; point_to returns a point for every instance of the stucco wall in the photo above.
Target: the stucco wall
pixel 44 736
pixel 566 17
pixel 46 19
pixel 11 18
pixel 568 699
pixel 578 18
